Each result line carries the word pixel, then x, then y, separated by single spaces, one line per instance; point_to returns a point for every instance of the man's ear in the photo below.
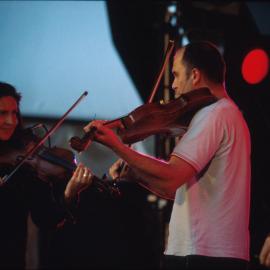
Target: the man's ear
pixel 196 76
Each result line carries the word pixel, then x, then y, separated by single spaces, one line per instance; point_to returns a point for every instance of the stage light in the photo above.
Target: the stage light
pixel 255 66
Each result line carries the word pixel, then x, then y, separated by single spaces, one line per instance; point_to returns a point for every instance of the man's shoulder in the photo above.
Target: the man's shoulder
pixel 223 108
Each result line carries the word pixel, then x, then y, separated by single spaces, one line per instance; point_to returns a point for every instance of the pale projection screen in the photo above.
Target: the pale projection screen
pixel 53 51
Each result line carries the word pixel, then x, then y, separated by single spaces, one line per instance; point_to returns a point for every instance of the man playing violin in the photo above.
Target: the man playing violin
pixel 207 174
pixel 23 193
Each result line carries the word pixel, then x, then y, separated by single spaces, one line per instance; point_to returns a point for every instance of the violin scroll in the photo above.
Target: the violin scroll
pixel 81 144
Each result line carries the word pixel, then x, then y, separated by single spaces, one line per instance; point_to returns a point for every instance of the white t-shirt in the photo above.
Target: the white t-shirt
pixel 210 214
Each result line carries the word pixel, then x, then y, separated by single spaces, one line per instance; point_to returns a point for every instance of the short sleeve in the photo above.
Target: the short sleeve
pixel 202 139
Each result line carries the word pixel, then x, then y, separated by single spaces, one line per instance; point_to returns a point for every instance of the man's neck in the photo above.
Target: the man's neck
pixel 218 90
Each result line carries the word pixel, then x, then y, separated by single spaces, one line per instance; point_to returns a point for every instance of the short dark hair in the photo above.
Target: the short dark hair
pixel 205 56
pixel 7 90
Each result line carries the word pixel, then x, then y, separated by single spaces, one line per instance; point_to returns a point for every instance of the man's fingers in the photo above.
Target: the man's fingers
pixel 95 123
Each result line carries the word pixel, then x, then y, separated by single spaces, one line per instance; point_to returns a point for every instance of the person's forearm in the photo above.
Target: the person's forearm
pixel 153 173
pixel 150 183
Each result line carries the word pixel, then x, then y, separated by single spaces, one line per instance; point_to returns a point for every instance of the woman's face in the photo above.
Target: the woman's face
pixel 8 117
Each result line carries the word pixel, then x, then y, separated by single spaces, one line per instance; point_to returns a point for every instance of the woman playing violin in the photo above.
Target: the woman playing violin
pixel 207 175
pixel 23 193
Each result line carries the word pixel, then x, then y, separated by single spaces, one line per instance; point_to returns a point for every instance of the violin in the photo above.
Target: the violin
pixel 171 119
pixel 47 163
pixel 34 150
pixel 52 165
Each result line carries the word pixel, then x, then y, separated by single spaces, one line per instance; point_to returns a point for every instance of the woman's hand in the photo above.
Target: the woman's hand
pixel 81 179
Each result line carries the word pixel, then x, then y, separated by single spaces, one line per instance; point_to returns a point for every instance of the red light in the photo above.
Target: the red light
pixel 255 66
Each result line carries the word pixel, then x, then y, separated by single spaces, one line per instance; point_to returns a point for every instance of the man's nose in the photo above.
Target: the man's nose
pixel 174 85
pixel 174 88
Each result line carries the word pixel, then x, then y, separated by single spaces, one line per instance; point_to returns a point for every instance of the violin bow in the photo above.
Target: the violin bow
pixel 167 56
pixel 169 51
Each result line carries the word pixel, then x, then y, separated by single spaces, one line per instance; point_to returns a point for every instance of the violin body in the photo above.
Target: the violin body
pixel 171 119
pixel 47 164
